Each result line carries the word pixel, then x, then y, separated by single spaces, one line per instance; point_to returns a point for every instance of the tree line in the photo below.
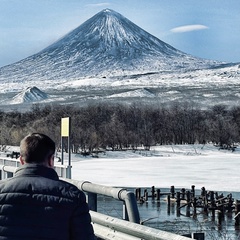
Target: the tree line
pixel 116 126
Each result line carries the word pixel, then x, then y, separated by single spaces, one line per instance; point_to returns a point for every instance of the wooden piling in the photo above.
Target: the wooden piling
pixel 169 199
pixel 158 194
pixel 138 194
pixel 188 198
pixel 153 192
pixel 220 217
pixel 188 211
pixel 230 203
pixel 183 192
pixel 193 191
pixel 172 191
pixel 237 213
pixel 169 202
pixel 178 199
pixel 212 204
pixel 203 192
pixel 145 195
pixel 195 204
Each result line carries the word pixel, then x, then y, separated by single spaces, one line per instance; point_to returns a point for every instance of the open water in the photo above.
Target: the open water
pixel 160 215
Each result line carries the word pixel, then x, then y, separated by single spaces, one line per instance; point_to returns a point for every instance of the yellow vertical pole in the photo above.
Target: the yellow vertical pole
pixel 65 132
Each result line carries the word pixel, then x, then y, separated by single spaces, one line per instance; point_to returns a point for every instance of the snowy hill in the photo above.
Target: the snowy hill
pixel 138 93
pixel 28 95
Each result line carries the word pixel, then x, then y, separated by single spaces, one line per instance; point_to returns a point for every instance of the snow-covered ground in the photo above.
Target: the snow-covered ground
pixel 204 87
pixel 162 166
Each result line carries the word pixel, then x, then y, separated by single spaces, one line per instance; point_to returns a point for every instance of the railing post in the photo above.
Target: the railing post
pixel 68 172
pixel 125 213
pixel 9 174
pixel 131 205
pixel 92 201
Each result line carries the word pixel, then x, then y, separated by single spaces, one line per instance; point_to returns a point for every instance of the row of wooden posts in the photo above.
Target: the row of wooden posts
pixel 207 201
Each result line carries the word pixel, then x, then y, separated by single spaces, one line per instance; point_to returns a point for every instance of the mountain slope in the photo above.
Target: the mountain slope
pixel 107 44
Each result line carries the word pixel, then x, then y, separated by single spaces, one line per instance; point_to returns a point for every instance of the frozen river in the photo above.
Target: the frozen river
pixel 163 166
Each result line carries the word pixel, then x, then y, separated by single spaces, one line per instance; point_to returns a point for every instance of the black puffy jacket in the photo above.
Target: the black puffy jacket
pixel 35 204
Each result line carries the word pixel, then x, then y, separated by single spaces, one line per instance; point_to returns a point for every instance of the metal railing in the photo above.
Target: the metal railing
pixel 107 227
pixel 8 165
pixel 130 208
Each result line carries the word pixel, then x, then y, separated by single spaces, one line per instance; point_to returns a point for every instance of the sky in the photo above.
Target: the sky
pixel 207 28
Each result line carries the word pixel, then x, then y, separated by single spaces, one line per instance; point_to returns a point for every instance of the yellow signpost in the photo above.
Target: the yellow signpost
pixel 66 132
pixel 65 127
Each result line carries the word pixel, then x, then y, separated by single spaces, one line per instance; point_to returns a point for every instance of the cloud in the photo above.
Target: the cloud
pixel 188 28
pixel 104 4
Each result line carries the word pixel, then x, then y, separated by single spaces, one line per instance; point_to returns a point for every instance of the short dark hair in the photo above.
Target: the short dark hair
pixel 36 148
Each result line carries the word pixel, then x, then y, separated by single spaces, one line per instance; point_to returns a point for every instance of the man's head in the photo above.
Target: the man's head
pixel 37 148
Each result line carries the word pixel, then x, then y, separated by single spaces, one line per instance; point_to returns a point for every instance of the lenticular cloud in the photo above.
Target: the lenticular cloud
pixel 188 28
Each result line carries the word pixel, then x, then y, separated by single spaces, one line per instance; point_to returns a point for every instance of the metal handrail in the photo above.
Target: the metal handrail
pixel 121 194
pixel 10 165
pixel 107 227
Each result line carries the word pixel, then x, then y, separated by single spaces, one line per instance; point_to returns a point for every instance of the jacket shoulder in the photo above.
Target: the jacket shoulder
pixel 72 190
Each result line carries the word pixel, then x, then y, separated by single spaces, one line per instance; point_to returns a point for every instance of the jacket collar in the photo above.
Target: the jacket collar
pixel 36 169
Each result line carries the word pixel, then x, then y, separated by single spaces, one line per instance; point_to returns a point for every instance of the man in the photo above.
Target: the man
pixel 35 204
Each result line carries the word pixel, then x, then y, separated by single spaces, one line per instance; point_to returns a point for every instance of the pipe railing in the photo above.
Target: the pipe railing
pixel 10 164
pixel 106 227
pixel 130 210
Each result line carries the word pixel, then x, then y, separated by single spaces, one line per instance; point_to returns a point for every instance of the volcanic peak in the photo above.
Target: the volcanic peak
pixel 107 44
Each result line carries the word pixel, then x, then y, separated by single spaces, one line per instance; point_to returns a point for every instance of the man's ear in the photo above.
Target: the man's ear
pixel 21 160
pixel 51 161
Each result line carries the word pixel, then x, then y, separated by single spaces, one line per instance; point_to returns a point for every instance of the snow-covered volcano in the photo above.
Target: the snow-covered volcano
pixel 107 44
pixel 109 58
